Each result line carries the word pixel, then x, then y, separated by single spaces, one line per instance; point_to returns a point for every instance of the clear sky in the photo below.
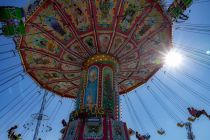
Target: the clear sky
pixel 17 104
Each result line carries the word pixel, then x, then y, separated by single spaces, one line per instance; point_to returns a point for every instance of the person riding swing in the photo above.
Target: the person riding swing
pixel 196 113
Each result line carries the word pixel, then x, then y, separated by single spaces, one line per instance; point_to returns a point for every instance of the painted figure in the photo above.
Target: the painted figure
pixel 128 16
pixel 118 131
pixel 41 42
pixel 79 16
pixel 89 42
pixel 56 87
pixel 46 44
pixel 117 43
pixel 53 47
pixel 108 94
pixel 78 12
pixel 105 6
pixel 141 31
pixel 70 57
pixel 41 61
pixel 50 75
pixel 52 22
pixel 104 42
pixel 91 91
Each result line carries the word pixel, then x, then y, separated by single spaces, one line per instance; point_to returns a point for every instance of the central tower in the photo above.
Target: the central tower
pixel 97 108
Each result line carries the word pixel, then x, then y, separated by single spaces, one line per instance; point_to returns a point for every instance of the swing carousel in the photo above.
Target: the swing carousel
pixel 94 52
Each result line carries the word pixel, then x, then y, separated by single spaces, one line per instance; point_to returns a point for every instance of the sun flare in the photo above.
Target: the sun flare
pixel 173 59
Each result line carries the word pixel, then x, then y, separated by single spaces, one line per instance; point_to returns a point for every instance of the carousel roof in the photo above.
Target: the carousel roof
pixel 63 34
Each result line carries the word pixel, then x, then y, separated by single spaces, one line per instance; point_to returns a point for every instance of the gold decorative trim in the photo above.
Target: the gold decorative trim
pixel 103 58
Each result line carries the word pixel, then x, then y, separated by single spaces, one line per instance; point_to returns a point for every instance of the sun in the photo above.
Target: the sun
pixel 173 58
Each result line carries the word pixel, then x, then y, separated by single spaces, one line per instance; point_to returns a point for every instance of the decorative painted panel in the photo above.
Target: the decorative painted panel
pixel 152 22
pixel 40 60
pixel 131 11
pixel 47 76
pixel 60 86
pixel 118 41
pixel 71 58
pixel 38 41
pixel 127 48
pixel 90 43
pixel 93 132
pixel 71 75
pixel 68 67
pixel 91 90
pixel 129 65
pixel 118 131
pixel 108 91
pixel 78 49
pixel 50 20
pixel 104 42
pixel 78 11
pixel 105 10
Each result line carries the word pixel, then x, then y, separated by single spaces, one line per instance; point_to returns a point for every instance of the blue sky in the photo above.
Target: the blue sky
pixel 23 103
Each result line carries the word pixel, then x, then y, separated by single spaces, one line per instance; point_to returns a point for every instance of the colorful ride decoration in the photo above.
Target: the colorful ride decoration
pixel 94 51
pixel 12 19
pixel 177 8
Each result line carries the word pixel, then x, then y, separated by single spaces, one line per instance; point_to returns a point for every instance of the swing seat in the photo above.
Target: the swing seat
pixel 188 3
pixel 146 136
pixel 180 124
pixel 176 10
pixel 191 119
pixel 161 132
pixel 131 132
pixel 62 130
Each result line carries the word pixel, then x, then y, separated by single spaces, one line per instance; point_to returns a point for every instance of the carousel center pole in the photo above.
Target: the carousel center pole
pixel 39 119
pixel 96 115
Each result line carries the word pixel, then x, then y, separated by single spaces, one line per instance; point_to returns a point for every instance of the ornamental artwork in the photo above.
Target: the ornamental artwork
pixel 108 92
pixel 93 132
pixel 91 90
pixel 118 131
pixel 62 35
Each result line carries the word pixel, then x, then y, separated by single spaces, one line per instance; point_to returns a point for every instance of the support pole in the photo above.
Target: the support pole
pixel 190 134
pixel 40 115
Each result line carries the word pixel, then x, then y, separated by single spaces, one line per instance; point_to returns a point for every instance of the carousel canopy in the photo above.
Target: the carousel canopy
pixel 62 35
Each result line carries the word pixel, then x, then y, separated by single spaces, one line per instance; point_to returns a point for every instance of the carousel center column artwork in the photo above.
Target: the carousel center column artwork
pixel 96 115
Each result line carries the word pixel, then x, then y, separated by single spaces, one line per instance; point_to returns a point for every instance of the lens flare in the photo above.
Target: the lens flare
pixel 173 59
